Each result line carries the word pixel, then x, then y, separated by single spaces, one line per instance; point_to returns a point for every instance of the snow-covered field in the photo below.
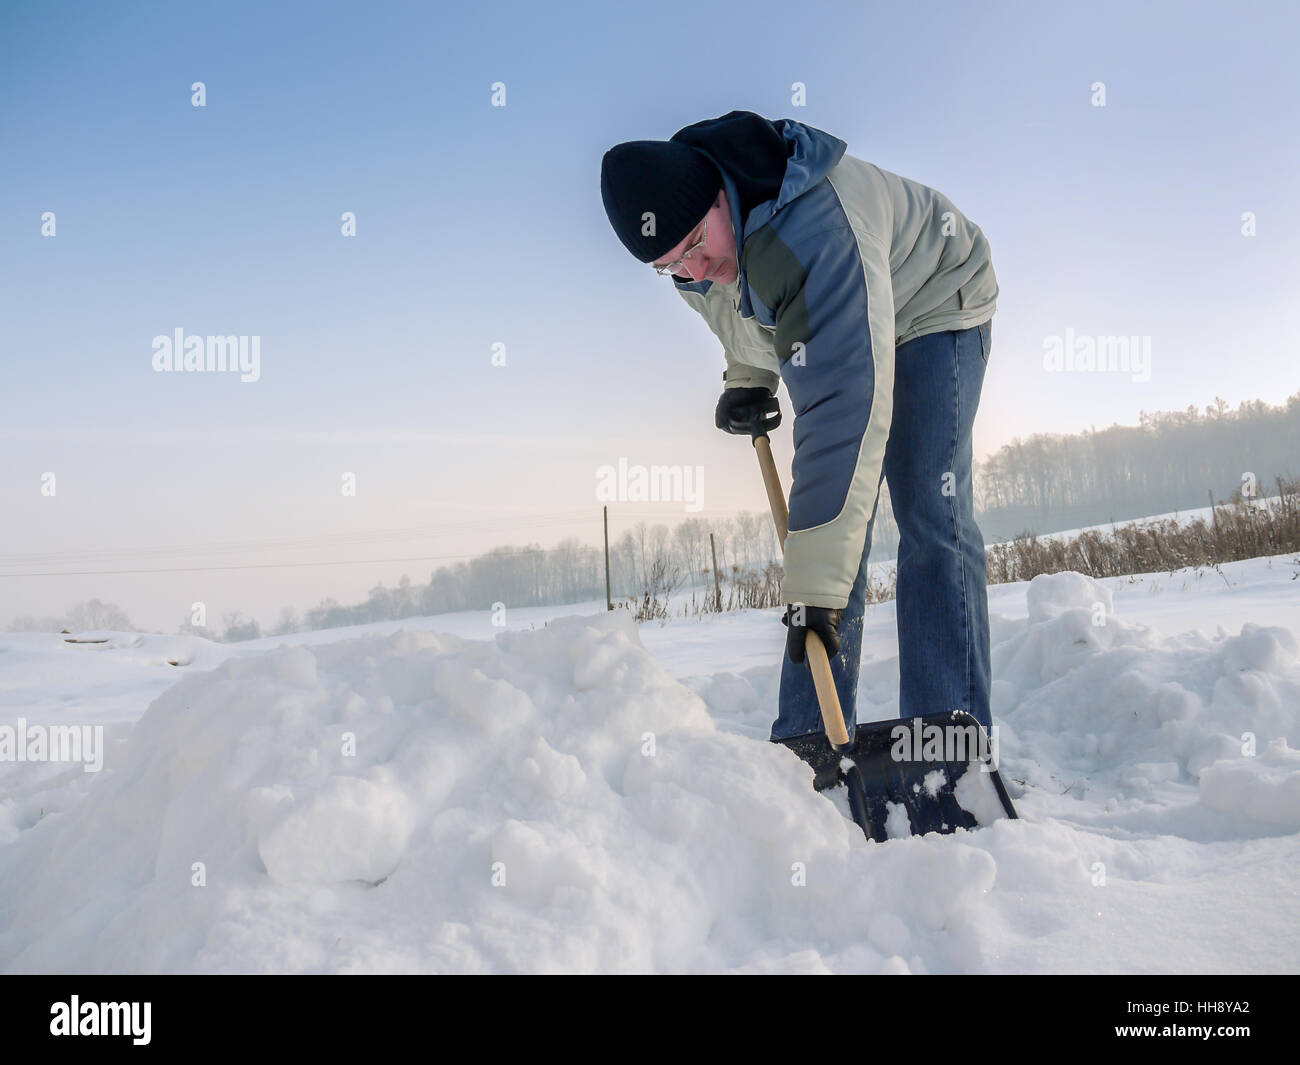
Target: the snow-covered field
pixel 575 793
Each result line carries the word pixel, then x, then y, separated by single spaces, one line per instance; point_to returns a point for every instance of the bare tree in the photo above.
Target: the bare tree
pixel 238 629
pixel 691 537
pixel 94 614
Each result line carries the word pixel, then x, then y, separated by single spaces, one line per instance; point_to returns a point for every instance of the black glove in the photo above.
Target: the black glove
pixel 821 620
pixel 747 411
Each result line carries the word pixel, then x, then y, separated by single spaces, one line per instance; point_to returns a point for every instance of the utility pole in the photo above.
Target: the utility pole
pixel 717 587
pixel 609 603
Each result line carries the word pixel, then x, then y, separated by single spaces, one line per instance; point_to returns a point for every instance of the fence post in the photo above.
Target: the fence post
pixel 717 586
pixel 609 603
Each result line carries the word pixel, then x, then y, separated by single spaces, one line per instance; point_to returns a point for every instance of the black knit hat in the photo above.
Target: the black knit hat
pixel 672 183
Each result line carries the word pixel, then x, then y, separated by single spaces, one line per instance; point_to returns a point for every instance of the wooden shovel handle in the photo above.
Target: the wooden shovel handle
pixel 775 493
pixel 818 661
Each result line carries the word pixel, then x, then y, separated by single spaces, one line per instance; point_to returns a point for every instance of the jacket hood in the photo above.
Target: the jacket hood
pixel 764 163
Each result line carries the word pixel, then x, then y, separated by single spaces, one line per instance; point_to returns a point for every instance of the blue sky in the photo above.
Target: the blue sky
pixel 481 225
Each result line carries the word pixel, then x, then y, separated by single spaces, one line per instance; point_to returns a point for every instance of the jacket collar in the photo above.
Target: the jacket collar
pixel 812 155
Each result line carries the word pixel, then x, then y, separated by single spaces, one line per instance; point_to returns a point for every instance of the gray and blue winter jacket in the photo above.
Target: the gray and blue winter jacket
pixel 840 261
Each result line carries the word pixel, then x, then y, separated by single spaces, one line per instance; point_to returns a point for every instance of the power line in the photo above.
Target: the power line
pixel 624 514
pixel 257 565
pixel 347 539
pixel 336 539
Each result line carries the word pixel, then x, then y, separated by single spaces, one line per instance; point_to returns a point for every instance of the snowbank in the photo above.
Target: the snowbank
pixel 555 801
pixel 1118 709
pixel 548 801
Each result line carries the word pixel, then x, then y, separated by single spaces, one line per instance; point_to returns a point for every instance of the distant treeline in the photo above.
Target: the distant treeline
pixel 1049 482
pixel 1046 483
pixel 1168 462
pixel 80 617
pixel 648 559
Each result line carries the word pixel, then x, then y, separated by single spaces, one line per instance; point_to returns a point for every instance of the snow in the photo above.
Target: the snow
pixel 933 781
pixel 897 823
pixel 976 795
pixel 576 793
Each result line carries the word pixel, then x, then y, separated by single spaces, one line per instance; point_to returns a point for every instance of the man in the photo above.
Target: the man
pixel 871 296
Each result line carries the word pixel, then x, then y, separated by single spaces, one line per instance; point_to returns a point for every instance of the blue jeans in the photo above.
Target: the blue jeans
pixel 942 605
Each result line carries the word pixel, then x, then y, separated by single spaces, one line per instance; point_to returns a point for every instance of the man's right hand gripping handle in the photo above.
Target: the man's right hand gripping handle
pixel 747 411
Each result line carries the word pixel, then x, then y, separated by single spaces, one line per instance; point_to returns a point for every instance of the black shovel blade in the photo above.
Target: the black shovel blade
pixel 917 763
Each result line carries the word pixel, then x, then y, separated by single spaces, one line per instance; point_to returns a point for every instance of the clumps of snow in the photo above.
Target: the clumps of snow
pixel 1264 787
pixel 350 829
pixel 888 934
pixel 933 781
pixel 976 795
pixel 738 702
pixel 1087 703
pixel 897 824
pixel 135 648
pixel 1050 595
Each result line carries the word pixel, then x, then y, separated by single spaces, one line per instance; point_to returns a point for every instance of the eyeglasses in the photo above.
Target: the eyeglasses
pixel 669 269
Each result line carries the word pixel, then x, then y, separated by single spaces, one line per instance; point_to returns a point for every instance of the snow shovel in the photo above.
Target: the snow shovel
pixel 906 776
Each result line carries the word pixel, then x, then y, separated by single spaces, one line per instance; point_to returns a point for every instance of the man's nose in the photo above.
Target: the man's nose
pixel 692 263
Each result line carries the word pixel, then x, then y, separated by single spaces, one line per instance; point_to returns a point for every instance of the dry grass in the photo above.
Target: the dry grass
pixel 1240 529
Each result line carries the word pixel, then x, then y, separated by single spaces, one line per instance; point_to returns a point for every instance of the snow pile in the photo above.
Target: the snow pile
pixel 554 800
pixel 100 681
pixel 1101 705
pixel 110 648
pixel 548 801
pixel 1266 788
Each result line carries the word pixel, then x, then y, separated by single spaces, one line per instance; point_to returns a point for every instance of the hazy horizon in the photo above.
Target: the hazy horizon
pixel 376 351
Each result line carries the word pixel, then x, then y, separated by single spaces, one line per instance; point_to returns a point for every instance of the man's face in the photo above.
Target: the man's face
pixel 715 259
